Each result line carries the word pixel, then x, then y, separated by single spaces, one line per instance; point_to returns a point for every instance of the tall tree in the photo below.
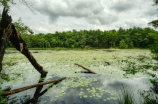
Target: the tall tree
pixel 154 23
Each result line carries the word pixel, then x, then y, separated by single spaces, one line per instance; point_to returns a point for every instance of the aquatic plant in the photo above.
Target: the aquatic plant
pixel 9 63
pixel 61 63
pixel 126 97
pixel 148 97
pixel 3 100
pixel 142 58
pixel 5 76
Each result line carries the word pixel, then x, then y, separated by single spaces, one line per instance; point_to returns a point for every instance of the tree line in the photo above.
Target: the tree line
pixel 135 37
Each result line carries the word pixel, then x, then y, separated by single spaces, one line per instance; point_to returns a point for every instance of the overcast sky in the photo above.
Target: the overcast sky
pixel 64 15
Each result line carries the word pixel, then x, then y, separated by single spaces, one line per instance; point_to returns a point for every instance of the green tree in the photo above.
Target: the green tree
pixel 130 45
pixel 154 47
pixel 123 45
pixel 53 42
pixel 23 29
pixel 3 100
pixel 154 23
pixel 7 3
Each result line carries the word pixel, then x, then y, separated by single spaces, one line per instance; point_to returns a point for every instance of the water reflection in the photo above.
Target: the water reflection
pixel 26 99
pixel 37 93
pixel 104 90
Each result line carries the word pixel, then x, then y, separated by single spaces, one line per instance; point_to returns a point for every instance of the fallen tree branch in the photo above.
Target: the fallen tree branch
pixel 86 68
pixel 35 98
pixel 31 86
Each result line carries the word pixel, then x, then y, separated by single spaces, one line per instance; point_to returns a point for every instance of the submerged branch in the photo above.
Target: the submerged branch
pixel 86 68
pixel 31 86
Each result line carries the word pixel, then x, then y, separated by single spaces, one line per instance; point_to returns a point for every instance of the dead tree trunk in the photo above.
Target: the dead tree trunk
pixel 5 32
pixel 8 32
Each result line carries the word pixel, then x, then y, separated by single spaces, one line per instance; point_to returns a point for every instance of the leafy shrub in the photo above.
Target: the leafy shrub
pixel 5 76
pixel 126 97
pixel 123 45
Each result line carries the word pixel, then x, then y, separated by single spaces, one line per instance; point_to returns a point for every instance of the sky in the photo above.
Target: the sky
pixel 66 15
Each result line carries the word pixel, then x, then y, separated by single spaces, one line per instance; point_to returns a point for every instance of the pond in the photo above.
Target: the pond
pixel 78 88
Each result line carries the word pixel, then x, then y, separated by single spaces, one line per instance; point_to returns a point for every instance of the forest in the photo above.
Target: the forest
pixel 135 37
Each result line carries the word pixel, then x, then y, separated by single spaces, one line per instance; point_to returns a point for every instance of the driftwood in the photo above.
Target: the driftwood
pixel 38 94
pixel 31 86
pixel 86 68
pixel 8 32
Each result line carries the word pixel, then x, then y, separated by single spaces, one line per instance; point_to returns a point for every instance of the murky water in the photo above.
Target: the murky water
pixel 77 88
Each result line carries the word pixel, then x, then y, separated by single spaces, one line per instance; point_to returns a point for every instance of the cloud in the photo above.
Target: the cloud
pixel 137 22
pixel 122 5
pixel 62 15
pixel 92 11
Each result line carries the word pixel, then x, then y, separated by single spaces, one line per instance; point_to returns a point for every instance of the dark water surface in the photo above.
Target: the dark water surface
pixel 106 91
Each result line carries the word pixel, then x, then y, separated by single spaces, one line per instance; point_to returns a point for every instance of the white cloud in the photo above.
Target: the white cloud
pixel 62 15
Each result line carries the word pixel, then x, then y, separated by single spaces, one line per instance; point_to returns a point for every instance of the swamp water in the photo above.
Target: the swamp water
pixel 77 88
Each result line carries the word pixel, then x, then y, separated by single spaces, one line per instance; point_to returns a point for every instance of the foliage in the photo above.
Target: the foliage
pixel 3 100
pixel 5 76
pixel 156 2
pixel 123 45
pixel 22 28
pixel 126 97
pixel 9 63
pixel 154 49
pixel 25 32
pixel 7 3
pixel 133 67
pixel 148 97
pixel 133 37
pixel 154 23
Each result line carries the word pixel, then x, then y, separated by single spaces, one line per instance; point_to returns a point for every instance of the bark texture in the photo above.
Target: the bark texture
pixel 5 32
